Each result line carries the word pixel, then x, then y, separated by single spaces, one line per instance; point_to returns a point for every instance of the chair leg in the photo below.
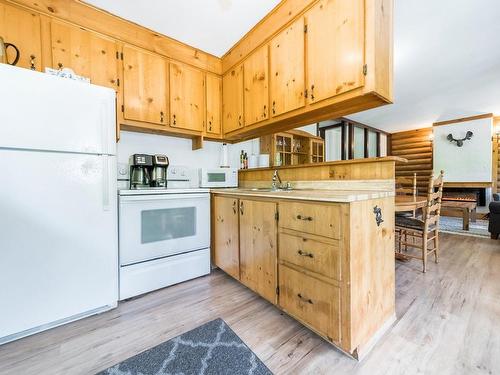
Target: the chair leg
pixel 436 246
pixel 494 236
pixel 424 253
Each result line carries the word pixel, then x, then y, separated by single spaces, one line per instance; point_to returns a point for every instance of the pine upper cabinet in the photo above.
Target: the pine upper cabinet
pixel 187 97
pixel 258 247
pixel 88 54
pixel 335 48
pixel 232 100
pixel 213 122
pixel 145 86
pixel 287 69
pixel 22 29
pixel 256 86
pixel 226 235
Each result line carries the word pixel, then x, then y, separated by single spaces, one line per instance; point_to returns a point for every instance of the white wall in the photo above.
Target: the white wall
pixel 179 150
pixel 469 163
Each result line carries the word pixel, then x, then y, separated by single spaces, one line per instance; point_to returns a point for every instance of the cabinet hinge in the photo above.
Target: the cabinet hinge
pixel 305 93
pixel 123 108
pixel 277 215
pixel 305 28
pixel 365 69
pixel 277 290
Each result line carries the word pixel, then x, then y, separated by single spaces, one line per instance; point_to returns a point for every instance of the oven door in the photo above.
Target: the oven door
pixel 156 226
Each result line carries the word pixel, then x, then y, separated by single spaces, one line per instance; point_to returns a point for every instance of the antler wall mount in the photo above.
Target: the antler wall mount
pixel 460 141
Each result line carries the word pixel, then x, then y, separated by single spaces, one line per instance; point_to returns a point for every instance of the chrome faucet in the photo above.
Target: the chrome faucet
pixel 276 177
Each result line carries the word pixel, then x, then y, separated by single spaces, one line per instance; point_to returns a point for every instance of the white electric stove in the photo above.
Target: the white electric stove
pixel 164 234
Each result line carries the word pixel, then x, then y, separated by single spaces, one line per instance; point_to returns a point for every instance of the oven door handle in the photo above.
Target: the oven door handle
pixel 162 197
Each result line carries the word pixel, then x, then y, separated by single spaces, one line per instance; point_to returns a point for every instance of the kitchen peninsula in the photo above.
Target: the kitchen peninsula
pixel 322 251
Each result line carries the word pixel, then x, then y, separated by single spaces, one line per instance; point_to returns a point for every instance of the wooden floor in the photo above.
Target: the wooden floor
pixel 448 323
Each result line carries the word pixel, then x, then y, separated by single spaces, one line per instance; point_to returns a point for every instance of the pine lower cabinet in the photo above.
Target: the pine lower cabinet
pixel 226 235
pixel 333 269
pixel 258 247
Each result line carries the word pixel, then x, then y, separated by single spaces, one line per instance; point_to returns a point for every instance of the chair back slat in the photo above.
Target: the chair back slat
pixel 434 197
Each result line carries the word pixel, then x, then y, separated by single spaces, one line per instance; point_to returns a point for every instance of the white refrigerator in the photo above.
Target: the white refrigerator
pixel 58 201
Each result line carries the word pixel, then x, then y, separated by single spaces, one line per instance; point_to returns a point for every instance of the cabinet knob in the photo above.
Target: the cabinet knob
pixel 305 254
pixel 305 218
pixel 32 62
pixel 234 206
pixel 241 207
pixel 60 65
pixel 308 300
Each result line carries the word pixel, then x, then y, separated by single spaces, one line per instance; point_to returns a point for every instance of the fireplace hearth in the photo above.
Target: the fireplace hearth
pixel 477 195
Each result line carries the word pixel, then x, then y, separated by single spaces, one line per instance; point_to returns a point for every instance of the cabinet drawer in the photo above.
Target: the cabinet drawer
pixel 319 257
pixel 314 302
pixel 323 220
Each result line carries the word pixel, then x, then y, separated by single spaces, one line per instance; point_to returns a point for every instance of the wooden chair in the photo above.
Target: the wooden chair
pixel 406 186
pixel 426 230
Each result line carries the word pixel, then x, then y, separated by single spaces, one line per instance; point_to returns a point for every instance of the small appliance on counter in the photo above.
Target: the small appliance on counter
pixel 218 177
pixel 140 171
pixel 148 171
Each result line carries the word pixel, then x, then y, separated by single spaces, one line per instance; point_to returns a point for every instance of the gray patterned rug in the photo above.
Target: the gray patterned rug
pixel 210 349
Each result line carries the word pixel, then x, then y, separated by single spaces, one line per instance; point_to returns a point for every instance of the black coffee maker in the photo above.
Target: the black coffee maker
pixel 141 166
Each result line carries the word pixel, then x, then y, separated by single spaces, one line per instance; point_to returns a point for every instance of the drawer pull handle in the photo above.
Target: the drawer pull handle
pixel 305 218
pixel 234 206
pixel 308 300
pixel 305 254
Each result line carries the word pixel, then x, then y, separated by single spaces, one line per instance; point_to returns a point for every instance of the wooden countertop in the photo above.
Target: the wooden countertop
pixel 318 195
pixel 331 163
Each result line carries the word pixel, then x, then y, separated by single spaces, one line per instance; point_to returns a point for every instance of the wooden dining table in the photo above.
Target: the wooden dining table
pixel 408 203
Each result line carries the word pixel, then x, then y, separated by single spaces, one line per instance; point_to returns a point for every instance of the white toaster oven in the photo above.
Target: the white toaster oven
pixel 218 177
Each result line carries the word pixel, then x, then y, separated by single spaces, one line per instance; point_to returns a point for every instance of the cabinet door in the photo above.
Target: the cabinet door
pixel 232 99
pixel 226 236
pixel 187 97
pixel 22 28
pixel 258 239
pixel 144 86
pixel 335 48
pixel 214 104
pixel 287 69
pixel 88 54
pixel 256 87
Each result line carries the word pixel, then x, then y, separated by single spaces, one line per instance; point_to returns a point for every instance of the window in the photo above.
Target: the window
pixel 346 139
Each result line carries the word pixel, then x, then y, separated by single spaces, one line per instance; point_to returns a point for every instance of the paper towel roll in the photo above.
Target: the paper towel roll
pixel 224 159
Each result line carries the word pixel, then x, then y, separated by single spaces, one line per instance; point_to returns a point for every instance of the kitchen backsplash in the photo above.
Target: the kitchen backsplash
pixel 179 150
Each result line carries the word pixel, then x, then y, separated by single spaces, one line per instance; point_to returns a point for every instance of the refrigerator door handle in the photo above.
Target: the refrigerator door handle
pixel 105 183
